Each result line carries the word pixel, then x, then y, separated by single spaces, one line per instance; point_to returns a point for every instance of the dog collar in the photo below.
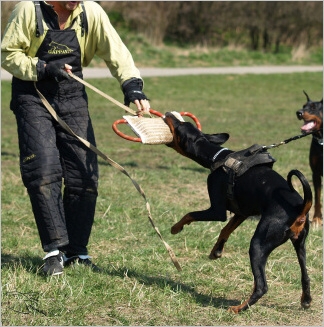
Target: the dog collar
pixel 319 139
pixel 217 153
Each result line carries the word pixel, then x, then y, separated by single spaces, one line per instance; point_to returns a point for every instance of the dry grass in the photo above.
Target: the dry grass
pixel 139 284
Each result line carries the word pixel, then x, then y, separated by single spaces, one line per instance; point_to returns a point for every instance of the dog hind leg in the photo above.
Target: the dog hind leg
pixel 300 249
pixel 258 259
pixel 266 238
pixel 225 233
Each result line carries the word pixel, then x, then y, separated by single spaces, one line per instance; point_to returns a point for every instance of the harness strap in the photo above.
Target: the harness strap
pixel 114 164
pixel 233 166
pixel 84 21
pixel 39 19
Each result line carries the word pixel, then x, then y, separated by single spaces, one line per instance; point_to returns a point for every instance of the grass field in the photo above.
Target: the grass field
pixel 139 284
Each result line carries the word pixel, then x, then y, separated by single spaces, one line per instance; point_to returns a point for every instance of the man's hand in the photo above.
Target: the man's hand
pixel 133 93
pixel 57 71
pixel 143 106
pixel 68 68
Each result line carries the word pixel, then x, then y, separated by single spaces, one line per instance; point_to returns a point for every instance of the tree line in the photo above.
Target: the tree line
pixel 258 25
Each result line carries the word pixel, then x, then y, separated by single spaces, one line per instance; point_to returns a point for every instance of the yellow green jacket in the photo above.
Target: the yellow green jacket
pixel 19 43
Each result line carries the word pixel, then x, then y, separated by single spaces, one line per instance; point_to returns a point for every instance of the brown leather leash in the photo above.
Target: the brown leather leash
pixel 110 161
pixel 103 94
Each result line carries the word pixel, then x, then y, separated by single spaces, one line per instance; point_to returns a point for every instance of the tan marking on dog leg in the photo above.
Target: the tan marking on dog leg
pixel 177 228
pixel 217 250
pixel 298 226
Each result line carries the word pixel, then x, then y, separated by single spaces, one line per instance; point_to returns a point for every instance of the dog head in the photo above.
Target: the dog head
pixel 312 115
pixel 189 141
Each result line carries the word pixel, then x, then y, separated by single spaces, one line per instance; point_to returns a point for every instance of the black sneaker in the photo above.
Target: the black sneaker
pixel 53 263
pixel 70 259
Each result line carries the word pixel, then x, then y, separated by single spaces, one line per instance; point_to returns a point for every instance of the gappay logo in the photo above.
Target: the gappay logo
pixel 58 49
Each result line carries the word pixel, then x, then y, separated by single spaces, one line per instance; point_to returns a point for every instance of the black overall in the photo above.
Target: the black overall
pixel 49 155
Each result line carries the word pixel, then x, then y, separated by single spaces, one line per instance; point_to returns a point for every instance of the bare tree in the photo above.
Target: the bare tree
pixel 264 25
pixel 149 18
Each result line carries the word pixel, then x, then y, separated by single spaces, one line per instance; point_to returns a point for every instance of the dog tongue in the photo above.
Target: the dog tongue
pixel 308 126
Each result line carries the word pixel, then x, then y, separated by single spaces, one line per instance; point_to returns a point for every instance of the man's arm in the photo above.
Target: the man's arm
pixel 16 42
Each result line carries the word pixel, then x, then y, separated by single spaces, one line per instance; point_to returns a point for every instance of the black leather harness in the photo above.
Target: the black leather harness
pixel 237 163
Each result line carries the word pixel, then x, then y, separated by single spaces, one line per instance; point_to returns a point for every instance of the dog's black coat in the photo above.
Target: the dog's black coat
pixel 312 115
pixel 259 191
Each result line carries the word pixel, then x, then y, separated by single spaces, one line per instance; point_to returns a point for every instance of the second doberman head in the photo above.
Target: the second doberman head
pixel 312 115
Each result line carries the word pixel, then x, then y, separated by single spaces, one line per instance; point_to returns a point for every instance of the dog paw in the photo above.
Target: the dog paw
pixel 306 301
pixel 175 229
pixel 306 305
pixel 233 309
pixel 215 255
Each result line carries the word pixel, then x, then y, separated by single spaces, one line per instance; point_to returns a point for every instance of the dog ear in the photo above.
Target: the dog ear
pixel 308 99
pixel 218 138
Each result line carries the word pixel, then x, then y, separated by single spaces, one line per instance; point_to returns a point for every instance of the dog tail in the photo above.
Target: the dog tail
pixel 299 223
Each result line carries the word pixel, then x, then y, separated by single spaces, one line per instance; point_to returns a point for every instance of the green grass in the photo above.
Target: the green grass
pixel 140 285
pixel 166 55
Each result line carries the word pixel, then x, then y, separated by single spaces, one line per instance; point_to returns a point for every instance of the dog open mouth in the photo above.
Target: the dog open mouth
pixel 309 126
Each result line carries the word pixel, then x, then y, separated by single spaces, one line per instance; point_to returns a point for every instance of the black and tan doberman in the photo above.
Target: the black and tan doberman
pixel 244 183
pixel 312 115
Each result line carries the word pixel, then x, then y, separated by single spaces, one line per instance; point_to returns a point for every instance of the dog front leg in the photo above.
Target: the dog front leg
pixel 204 215
pixel 317 219
pixel 186 220
pixel 225 233
pixel 316 164
pixel 216 185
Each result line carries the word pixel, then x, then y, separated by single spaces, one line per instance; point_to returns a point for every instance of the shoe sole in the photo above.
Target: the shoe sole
pixel 54 274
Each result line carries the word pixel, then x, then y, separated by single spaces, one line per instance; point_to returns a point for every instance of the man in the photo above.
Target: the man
pixel 43 41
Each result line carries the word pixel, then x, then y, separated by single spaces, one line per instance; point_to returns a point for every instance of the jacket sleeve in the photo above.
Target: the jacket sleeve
pixel 16 42
pixel 108 45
